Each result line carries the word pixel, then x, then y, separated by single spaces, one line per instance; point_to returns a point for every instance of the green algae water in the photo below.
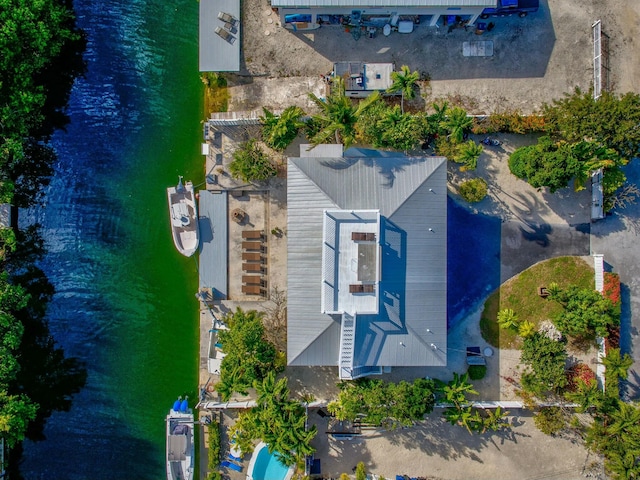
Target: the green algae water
pixel 125 299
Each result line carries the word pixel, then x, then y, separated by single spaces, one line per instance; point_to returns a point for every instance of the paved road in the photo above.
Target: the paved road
pixel 617 238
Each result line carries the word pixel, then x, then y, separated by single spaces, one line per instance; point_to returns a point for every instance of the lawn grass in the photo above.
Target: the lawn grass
pixel 216 94
pixel 520 293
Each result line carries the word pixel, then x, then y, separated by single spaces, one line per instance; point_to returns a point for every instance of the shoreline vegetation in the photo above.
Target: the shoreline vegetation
pixel 216 93
pixel 41 56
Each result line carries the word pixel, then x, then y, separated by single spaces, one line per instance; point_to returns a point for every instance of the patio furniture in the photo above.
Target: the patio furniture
pixel 253 280
pixel 361 288
pixel 230 27
pixel 252 290
pixel 363 236
pixel 238 215
pixel 474 357
pixel 253 267
pixel 230 465
pixel 252 234
pixel 227 18
pixel 252 246
pixel 233 458
pixel 252 256
pixel 225 35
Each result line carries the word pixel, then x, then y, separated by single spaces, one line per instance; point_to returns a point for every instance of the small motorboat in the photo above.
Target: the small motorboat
pixel 180 446
pixel 184 218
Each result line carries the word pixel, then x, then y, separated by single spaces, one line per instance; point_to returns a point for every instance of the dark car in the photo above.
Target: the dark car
pixel 511 7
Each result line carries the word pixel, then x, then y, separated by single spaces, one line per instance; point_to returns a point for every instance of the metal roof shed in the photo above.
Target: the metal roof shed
pixel 220 28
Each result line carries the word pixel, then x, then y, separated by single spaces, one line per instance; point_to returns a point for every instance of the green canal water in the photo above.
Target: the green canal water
pixel 125 299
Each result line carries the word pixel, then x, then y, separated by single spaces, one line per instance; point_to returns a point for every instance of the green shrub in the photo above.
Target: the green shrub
pixel 250 163
pixel 550 420
pixel 477 372
pixel 214 448
pixel 519 160
pixel 473 190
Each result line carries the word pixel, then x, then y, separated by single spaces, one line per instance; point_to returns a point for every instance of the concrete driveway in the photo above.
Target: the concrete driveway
pixel 617 238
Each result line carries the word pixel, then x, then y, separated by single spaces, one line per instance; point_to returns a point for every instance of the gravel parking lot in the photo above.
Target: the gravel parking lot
pixel 536 58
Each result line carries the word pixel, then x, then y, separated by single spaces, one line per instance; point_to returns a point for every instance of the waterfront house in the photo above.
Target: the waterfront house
pixel 367 260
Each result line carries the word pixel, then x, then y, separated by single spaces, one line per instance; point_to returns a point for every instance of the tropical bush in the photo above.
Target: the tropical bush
pixel 388 127
pixel 277 420
pixel 456 123
pixel 580 372
pixel 249 356
pixel 473 190
pixel 545 360
pixel 586 312
pixel 250 163
pixel 336 122
pixel 278 131
pixel 550 420
pixel 477 372
pixel 611 288
pixel 214 448
pixel 404 82
pixel 545 164
pixel 384 403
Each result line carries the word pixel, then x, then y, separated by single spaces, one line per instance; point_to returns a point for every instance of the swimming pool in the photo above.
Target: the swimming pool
pixel 265 466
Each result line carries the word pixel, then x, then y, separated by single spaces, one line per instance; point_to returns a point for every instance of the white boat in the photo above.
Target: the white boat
pixel 184 217
pixel 180 446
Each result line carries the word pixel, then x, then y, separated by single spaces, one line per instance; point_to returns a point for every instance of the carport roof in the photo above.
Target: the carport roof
pixel 215 53
pixel 384 3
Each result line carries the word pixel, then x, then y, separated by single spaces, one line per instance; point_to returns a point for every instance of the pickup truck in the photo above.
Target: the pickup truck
pixel 511 7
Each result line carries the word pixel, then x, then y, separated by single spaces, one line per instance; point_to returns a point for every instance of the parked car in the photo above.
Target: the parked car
pixel 511 7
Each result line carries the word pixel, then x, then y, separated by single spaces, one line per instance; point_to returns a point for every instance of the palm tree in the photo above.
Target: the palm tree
pixel 457 123
pixel 617 365
pixel 404 82
pixel 279 131
pixel 586 395
pixel 625 422
pixel 457 389
pixel 624 465
pixel 508 319
pixel 526 329
pixel 338 116
pixel 494 420
pixel 469 153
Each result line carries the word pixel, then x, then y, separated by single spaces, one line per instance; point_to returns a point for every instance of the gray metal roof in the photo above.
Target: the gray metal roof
pixel 384 3
pixel 411 194
pixel 212 210
pixel 215 53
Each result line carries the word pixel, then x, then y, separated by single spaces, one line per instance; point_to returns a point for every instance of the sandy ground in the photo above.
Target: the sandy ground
pixel 535 59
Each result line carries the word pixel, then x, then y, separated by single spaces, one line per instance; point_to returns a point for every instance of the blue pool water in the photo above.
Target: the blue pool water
pixel 267 466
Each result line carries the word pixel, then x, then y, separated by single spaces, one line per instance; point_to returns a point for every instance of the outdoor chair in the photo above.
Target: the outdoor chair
pixel 227 18
pixel 225 35
pixel 230 465
pixel 252 256
pixel 252 289
pixel 252 267
pixel 252 234
pixel 252 245
pixel 253 280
